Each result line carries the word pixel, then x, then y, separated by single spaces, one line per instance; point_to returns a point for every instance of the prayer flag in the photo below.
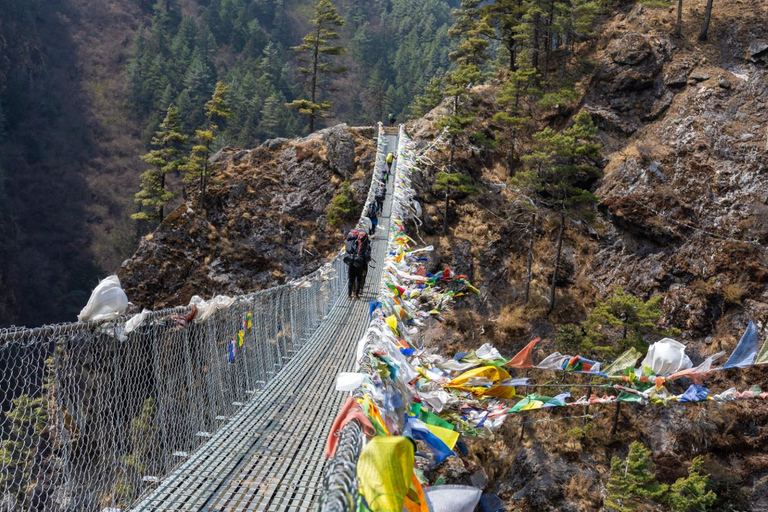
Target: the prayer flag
pixel 745 352
pixel 524 358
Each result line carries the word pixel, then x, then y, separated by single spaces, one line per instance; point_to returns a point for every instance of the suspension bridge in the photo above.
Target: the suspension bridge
pixel 227 414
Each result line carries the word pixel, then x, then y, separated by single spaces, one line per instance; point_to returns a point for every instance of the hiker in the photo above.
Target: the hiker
pixel 390 159
pixel 373 213
pixel 392 119
pixel 381 195
pixel 358 254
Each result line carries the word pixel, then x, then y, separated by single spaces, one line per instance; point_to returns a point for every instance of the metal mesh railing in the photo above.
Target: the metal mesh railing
pixel 91 417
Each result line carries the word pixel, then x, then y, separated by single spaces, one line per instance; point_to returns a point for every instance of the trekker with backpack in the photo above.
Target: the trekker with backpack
pixel 381 195
pixel 390 159
pixel 358 254
pixel 392 119
pixel 373 213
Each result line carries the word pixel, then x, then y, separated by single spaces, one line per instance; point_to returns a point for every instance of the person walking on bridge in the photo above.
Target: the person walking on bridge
pixel 373 214
pixel 390 159
pixel 392 119
pixel 358 254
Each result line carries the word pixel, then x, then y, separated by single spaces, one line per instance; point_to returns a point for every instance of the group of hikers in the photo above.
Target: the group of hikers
pixel 358 242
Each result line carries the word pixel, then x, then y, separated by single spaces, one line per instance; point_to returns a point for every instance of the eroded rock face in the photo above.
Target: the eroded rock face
pixel 629 85
pixel 264 222
pixel 690 194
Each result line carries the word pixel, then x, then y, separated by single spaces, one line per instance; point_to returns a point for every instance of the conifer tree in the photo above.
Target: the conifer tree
pixel 504 17
pixel 196 168
pixel 519 87
pixel 457 86
pixel 167 142
pixel 473 33
pixel 690 494
pixel 633 318
pixel 559 171
pixel 632 482
pixel 431 97
pixel 315 51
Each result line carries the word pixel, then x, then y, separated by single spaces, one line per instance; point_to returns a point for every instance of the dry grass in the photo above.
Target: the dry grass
pixel 734 292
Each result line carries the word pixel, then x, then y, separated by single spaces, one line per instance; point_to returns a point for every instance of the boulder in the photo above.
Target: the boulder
pixel 340 150
pixel 758 51
pixel 630 50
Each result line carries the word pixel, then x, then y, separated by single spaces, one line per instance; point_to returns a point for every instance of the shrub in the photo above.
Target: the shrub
pixel 343 206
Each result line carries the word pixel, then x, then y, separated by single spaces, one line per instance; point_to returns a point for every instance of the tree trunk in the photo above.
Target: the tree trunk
pixel 512 160
pixel 202 187
pixel 162 187
pixel 512 53
pixel 536 37
pixel 548 46
pixel 313 86
pixel 707 18
pixel 615 419
pixel 679 26
pixel 586 407
pixel 445 217
pixel 529 275
pixel 557 264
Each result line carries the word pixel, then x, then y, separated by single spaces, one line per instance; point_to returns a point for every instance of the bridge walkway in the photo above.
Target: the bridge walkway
pixel 270 455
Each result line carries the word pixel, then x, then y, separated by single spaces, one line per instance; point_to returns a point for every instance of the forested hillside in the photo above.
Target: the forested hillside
pixel 84 85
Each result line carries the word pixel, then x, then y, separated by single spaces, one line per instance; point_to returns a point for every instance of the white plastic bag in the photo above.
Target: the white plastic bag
pixel 205 308
pixel 666 356
pixel 452 498
pixel 108 301
pixel 135 321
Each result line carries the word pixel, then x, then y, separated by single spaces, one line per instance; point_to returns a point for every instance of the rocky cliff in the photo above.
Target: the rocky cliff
pixel 681 213
pixel 264 222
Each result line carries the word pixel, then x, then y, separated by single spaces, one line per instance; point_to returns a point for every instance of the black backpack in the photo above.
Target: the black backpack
pixel 358 248
pixel 381 193
pixel 371 211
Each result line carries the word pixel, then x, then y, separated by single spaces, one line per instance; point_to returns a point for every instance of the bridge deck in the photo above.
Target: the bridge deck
pixel 270 455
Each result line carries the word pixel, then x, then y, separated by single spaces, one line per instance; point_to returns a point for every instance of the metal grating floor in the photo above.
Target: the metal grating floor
pixel 270 455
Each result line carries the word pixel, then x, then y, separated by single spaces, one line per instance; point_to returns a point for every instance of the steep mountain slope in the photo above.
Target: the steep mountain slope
pixel 681 214
pixel 69 155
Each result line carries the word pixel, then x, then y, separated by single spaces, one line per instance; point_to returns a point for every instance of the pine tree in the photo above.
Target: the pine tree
pixel 690 494
pixel 632 482
pixel 504 17
pixel 197 167
pixel 473 33
pixel 275 117
pixel 560 169
pixel 315 51
pixel 164 159
pixel 431 97
pixel 519 87
pixel 458 83
pixel 631 316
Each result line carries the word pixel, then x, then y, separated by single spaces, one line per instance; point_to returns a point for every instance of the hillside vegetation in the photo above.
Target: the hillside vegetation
pixel 84 85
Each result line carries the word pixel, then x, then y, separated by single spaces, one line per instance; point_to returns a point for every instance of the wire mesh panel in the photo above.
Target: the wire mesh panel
pixel 92 417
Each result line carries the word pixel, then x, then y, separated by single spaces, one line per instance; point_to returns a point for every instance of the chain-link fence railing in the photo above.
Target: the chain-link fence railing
pixel 92 417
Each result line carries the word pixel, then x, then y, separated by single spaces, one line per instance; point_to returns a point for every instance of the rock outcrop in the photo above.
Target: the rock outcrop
pixel 264 221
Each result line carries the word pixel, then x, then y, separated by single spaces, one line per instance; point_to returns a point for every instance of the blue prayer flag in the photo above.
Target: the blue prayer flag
pixel 745 352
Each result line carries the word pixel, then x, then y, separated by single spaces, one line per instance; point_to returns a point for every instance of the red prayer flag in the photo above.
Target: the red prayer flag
pixel 524 359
